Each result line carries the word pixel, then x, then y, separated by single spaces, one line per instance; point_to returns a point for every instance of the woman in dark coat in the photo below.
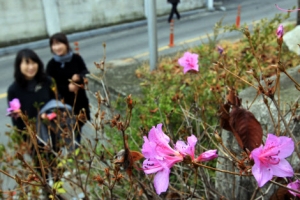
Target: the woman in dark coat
pixel 32 87
pixel 63 67
pixel 174 9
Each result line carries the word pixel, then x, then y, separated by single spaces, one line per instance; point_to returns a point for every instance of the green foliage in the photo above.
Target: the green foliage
pixel 171 97
pixel 167 88
pixel 189 103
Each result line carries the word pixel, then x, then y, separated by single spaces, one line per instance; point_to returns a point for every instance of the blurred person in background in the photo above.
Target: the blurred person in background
pixel 173 9
pixel 68 68
pixel 30 90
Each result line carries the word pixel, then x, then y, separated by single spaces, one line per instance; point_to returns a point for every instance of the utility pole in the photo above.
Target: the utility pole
pixel 210 5
pixel 51 16
pixel 152 32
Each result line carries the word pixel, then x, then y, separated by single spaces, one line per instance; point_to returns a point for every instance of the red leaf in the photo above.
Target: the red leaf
pixel 232 97
pixel 154 110
pixel 281 194
pixel 246 128
pixel 224 117
pixel 135 155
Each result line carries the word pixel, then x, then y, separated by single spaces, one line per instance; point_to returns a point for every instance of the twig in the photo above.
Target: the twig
pixel 220 170
pixel 296 191
pixel 286 126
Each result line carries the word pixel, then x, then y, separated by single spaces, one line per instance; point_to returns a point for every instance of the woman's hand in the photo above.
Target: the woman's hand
pixel 73 87
pixel 76 78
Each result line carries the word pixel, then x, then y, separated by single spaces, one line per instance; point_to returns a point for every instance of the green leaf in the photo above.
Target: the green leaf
pixel 61 191
pixel 182 87
pixel 57 184
pixel 62 163
pixel 58 187
pixel 77 151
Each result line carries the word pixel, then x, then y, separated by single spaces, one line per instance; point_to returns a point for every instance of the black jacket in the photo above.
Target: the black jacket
pixel 40 95
pixel 62 76
pixel 173 1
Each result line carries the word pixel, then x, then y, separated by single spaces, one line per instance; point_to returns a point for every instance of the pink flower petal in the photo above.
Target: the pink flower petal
pixel 286 10
pixel 220 50
pixel 261 174
pixel 15 104
pixel 189 61
pixel 296 186
pixel 207 156
pixel 269 160
pixel 189 148
pixel 283 169
pixel 157 136
pixel 279 31
pixel 148 148
pixel 161 181
pixel 160 157
pixel 192 140
pixel 283 146
pixel 256 153
pixel 170 161
pixel 181 146
pixel 151 166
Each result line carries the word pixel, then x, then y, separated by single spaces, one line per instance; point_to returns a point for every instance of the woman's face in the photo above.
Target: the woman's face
pixel 29 68
pixel 59 48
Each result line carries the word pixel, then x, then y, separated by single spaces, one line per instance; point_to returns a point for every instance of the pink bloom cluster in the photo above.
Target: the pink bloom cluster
pixel 189 149
pixel 220 50
pixel 296 186
pixel 160 156
pixel 189 61
pixel 270 159
pixel 279 31
pixel 14 108
pixel 286 10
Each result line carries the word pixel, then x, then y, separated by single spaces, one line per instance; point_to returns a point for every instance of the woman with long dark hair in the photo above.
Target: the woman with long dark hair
pixel 66 66
pixel 31 87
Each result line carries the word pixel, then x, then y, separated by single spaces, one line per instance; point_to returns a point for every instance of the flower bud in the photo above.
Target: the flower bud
pixel 218 138
pixel 279 32
pixel 207 156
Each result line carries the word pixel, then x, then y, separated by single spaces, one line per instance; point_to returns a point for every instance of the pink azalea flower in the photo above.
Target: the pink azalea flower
pixel 15 106
pixel 189 149
pixel 220 50
pixel 296 186
pixel 270 159
pixel 160 157
pixel 286 10
pixel 279 31
pixel 207 156
pixel 189 61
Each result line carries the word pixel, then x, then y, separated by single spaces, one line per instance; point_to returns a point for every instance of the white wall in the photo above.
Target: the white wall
pixel 24 20
pixel 21 20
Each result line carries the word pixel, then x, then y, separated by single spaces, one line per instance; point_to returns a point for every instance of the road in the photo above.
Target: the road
pixel 132 42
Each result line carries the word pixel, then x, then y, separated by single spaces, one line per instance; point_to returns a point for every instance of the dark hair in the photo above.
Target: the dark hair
pixel 59 37
pixel 28 54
